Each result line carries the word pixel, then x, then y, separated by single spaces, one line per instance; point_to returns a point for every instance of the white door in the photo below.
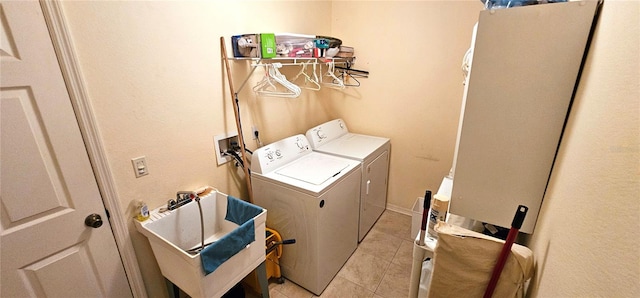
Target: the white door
pixel 47 185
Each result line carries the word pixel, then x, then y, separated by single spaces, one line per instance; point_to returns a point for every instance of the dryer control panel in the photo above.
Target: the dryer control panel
pixel 326 132
pixel 270 157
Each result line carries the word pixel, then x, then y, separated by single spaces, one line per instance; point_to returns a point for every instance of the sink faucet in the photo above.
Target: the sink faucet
pixel 182 198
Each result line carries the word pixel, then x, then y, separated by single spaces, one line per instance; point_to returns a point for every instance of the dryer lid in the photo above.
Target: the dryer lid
pixel 354 145
pixel 314 168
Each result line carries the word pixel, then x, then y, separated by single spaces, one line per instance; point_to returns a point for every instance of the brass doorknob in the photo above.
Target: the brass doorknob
pixel 93 220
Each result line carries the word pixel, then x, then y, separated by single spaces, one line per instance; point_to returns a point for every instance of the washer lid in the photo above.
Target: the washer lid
pixel 313 168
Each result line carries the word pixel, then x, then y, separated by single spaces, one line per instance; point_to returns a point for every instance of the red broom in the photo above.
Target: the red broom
pixel 516 224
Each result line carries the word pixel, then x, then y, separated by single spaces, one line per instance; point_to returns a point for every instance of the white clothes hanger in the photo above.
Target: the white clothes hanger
pixel 315 85
pixel 266 82
pixel 334 81
pixel 268 87
pixel 280 78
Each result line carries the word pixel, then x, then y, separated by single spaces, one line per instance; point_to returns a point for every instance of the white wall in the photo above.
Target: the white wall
pixel 586 239
pixel 414 51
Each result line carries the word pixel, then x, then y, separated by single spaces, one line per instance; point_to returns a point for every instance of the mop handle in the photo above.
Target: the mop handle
pixel 516 224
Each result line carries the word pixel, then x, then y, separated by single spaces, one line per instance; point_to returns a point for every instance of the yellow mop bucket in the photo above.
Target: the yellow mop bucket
pixel 273 247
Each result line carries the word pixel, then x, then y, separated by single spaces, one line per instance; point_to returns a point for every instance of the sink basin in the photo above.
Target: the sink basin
pixel 173 233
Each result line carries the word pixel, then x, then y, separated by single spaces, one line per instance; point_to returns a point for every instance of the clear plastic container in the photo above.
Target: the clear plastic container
pixel 497 4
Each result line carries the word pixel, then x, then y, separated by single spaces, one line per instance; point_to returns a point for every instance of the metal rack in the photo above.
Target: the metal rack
pixel 289 61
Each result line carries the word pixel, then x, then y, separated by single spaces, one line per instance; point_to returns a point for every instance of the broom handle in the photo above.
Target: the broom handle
pixel 516 224
pixel 234 99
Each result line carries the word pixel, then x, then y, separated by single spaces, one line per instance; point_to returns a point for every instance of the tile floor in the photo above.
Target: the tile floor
pixel 380 267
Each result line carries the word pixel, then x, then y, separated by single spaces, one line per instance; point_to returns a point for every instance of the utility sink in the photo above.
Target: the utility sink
pixel 173 233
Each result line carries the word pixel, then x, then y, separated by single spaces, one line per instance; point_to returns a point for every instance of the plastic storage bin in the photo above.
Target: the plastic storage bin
pixel 294 45
pixel 420 253
pixel 416 216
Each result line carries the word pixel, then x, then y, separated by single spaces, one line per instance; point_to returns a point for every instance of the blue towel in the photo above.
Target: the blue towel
pixel 241 213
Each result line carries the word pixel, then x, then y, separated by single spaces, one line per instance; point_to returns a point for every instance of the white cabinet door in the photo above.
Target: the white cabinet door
pixel 526 61
pixel 47 184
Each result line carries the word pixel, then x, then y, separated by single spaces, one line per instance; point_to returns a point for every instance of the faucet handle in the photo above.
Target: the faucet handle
pixel 172 204
pixel 185 195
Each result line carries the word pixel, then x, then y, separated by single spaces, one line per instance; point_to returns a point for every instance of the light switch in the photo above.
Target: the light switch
pixel 140 166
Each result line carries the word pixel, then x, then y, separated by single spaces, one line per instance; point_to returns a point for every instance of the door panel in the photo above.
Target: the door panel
pixel 47 186
pixel 24 135
pixel 377 172
pixel 373 193
pixel 44 278
pixel 519 92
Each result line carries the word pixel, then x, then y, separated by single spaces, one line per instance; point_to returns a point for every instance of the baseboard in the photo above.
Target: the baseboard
pixel 395 208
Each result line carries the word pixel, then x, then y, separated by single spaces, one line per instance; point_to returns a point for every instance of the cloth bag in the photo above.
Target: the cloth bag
pixel 463 263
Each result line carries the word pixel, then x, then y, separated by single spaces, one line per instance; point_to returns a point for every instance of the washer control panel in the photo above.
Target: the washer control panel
pixel 270 157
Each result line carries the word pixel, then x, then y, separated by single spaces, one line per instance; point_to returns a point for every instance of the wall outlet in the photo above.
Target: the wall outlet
pixel 254 132
pixel 140 166
pixel 222 143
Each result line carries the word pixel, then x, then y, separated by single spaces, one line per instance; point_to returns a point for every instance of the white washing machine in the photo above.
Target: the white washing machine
pixel 334 138
pixel 312 197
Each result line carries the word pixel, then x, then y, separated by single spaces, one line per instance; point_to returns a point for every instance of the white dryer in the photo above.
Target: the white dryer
pixel 312 197
pixel 334 138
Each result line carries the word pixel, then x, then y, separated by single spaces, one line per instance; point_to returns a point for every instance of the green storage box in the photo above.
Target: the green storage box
pixel 268 45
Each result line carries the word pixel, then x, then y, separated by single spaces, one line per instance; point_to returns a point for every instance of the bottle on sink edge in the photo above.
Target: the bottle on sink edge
pixel 142 211
pixel 439 209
